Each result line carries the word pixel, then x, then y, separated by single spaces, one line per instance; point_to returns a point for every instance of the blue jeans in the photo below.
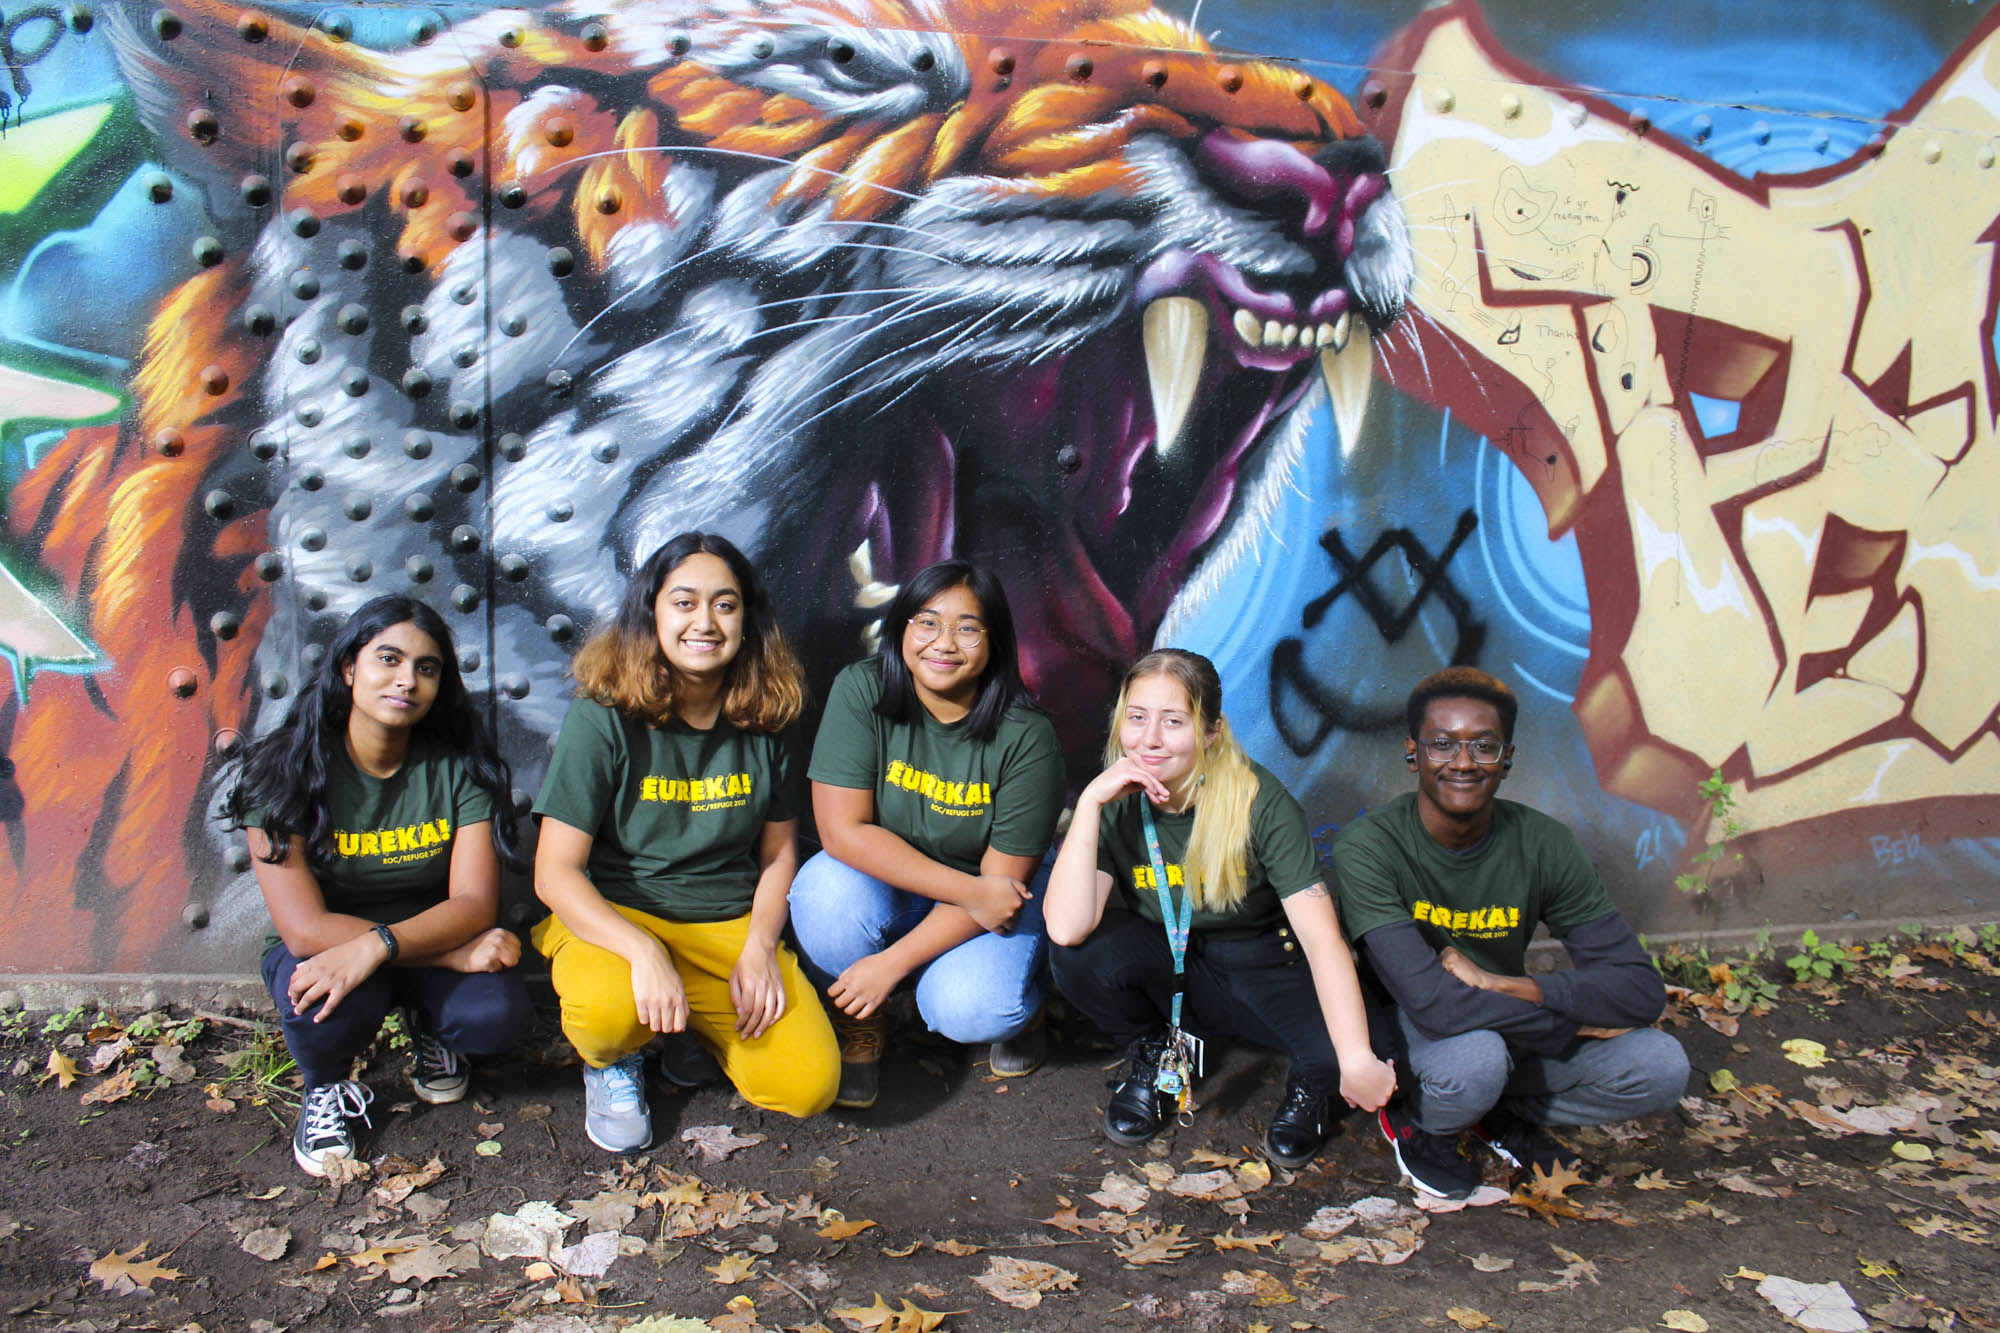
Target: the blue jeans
pixel 1593 1082
pixel 984 990
pixel 474 1013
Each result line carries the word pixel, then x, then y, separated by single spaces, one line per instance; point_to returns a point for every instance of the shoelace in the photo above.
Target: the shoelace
pixel 435 1059
pixel 621 1084
pixel 860 1040
pixel 328 1105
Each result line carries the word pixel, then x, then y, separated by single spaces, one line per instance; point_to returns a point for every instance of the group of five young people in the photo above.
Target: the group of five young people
pixel 1186 898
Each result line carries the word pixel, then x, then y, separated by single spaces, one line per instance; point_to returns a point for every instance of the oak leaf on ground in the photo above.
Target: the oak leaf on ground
pixel 881 1317
pixel 123 1273
pixel 1021 1282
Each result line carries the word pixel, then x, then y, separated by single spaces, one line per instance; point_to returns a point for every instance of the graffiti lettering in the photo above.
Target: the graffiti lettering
pixel 1290 680
pixel 1896 851
pixel 1649 847
pixel 17 54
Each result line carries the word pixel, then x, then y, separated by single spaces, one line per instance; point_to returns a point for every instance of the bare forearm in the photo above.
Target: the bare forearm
pixel 588 915
pixel 874 850
pixel 1073 904
pixel 946 927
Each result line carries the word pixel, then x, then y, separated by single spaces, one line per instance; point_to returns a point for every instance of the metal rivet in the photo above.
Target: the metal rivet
pixel 510 37
pixel 413 319
pixel 360 570
pixel 923 58
pixel 256 190
pixel 315 599
pixel 418 506
pixel 214 381
pixel 1578 113
pixel 513 194
pixel 560 511
pixel 1001 61
pixel 311 479
pixel 463 415
pixel 181 682
pixel 465 355
pixel 159 186
pixel 238 861
pixel 762 48
pixel 514 686
pixel 1230 77
pixel 465 477
pixel 305 284
pixel 469 659
pixel 350 128
pixel 416 382
pixel 277 687
pixel 308 350
pixel 461 95
pixel 465 597
pixel 307 414
pixel 679 44
pixel 250 26
pixel 609 201
pixel 354 381
pixel 356 446
pixel 1079 68
pixel 80 20
pixel 1986 155
pixel 513 324
pixel 1933 151
pixel 461 226
pixel 259 320
pixel 1876 143
pixel 1510 105
pixel 594 36
pixel 560 382
pixel 1640 123
pixel 411 129
pixel 513 568
pixel 166 24
pixel 561 261
pixel 415 194
pixel 1821 141
pixel 207 251
pixel 299 157
pixel 1702 127
pixel 417 444
pixel 358 507
pixel 339 27
pixel 219 504
pixel 313 539
pixel 1761 131
pixel 224 625
pixel 422 31
pixel 465 539
pixel 270 566
pixel 560 627
pixel 313 653
pixel 559 132
pixel 202 126
pixel 1374 94
pixel 1302 87
pixel 1154 73
pixel 264 445
pixel 460 162
pixel 1068 458
pixel 605 451
pixel 840 52
pixel 353 318
pixel 303 222
pixel 351 190
pixel 1443 100
pixel 169 442
pixel 419 569
pixel 512 447
pixel 195 916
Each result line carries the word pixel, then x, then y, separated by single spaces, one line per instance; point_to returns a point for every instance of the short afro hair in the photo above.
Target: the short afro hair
pixel 1462 682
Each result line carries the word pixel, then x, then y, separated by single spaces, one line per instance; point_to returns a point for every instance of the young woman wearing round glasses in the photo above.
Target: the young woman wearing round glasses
pixel 936 782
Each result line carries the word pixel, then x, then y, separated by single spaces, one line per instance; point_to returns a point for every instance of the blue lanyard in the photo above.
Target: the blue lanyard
pixel 1177 920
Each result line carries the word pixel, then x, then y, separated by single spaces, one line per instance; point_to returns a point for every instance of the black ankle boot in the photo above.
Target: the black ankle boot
pixel 1300 1126
pixel 1138 1112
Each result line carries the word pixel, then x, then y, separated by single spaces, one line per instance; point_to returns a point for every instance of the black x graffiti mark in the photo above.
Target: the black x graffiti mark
pixel 1290 680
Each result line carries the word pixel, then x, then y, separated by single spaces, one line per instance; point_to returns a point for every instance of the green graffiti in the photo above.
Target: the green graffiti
pixel 41 149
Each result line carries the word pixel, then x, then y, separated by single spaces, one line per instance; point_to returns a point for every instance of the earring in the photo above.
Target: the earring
pixel 1506 765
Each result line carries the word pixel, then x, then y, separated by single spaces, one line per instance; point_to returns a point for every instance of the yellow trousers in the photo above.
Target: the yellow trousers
pixel 794 1067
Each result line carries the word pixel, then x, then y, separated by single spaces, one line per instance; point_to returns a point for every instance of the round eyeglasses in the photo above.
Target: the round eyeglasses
pixel 1444 749
pixel 925 627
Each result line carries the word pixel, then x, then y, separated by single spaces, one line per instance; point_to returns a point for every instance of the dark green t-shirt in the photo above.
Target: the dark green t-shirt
pixel 675 815
pixel 1281 862
pixel 1487 901
pixel 947 795
pixel 392 836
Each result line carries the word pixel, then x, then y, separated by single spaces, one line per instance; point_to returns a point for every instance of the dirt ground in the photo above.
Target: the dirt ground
pixel 160 1191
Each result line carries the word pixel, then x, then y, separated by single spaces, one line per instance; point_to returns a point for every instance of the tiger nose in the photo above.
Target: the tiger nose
pixel 1267 170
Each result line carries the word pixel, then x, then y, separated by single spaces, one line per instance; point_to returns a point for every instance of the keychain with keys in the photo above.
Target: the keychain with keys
pixel 1181 1062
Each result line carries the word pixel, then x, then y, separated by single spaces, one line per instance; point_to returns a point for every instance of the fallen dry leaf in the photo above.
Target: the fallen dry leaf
pixel 1822 1306
pixel 1160 1247
pixel 267 1243
pixel 123 1273
pixel 1686 1321
pixel 1491 1263
pixel 169 1067
pixel 534 1111
pixel 957 1248
pixel 1232 1241
pixel 589 1257
pixel 400 1178
pixel 1468 1318
pixel 903 1253
pixel 430 1261
pixel 387 1247
pixel 1121 1192
pixel 1803 1051
pixel 1657 1180
pixel 114 1089
pixel 1210 1186
pixel 882 1318
pixel 841 1229
pixel 1253 1176
pixel 732 1269
pixel 1913 1152
pixel 712 1143
pixel 1021 1282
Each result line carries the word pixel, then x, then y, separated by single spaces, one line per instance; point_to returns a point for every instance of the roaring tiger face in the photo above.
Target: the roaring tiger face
pixel 851 281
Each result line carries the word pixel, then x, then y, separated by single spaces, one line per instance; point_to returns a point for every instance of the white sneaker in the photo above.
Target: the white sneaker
pixel 323 1134
pixel 614 1105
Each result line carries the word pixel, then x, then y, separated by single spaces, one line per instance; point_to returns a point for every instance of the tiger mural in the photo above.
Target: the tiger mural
pixel 858 283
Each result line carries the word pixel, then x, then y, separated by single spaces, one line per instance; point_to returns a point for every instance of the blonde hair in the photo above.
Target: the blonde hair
pixel 1217 860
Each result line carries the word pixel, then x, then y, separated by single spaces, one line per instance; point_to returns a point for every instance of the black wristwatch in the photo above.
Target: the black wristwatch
pixel 388 939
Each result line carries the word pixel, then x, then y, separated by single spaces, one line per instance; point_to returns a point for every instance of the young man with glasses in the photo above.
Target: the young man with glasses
pixel 1443 888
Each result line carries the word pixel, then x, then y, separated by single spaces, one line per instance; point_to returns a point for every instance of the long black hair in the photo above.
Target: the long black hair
pixel 283 779
pixel 1000 685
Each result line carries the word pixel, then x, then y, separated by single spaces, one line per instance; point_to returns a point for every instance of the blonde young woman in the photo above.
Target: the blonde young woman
pixel 1262 958
pixel 667 847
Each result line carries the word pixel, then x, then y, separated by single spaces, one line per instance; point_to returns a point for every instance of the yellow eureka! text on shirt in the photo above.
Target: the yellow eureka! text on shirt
pixel 1492 921
pixel 719 788
pixel 390 841
pixel 1142 876
pixel 969 797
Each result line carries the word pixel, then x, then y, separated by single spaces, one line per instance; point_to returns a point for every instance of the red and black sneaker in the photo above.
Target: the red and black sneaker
pixel 1432 1162
pixel 1526 1146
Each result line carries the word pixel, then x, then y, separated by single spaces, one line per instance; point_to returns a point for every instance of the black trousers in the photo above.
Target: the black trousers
pixel 1250 990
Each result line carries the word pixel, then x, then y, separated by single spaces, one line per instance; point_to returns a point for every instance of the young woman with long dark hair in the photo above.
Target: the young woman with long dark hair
pixel 1261 956
pixel 379 816
pixel 668 823
pixel 936 784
